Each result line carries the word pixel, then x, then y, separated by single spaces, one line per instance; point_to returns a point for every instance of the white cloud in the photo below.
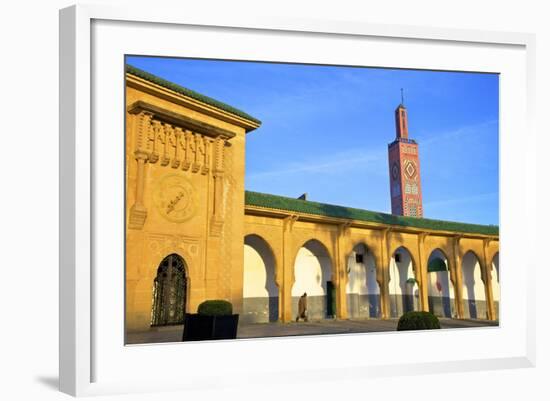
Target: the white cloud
pixel 459 132
pixel 340 161
pixel 462 200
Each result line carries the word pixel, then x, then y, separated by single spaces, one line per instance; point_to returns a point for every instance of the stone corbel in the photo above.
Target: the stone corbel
pixel 344 228
pixel 177 139
pixel 206 162
pixel 186 139
pixel 289 222
pixel 168 138
pixel 197 148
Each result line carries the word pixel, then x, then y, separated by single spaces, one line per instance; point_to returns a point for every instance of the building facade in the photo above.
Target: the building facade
pixel 193 233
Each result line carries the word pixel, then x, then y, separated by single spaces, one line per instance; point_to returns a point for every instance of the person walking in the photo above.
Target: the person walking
pixel 302 308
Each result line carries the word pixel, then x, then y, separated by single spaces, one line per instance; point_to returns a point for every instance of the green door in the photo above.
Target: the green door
pixel 331 299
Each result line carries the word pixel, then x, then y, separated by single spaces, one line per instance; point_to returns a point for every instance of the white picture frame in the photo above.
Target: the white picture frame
pixel 92 363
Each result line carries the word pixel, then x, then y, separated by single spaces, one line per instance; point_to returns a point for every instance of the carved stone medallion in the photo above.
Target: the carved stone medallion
pixel 174 198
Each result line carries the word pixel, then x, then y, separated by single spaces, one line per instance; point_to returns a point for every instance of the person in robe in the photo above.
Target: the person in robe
pixel 302 308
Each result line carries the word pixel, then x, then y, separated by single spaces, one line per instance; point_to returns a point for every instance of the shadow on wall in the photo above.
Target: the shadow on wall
pixel 313 275
pixel 363 293
pixel 403 286
pixel 469 263
pixel 260 291
pixel 440 290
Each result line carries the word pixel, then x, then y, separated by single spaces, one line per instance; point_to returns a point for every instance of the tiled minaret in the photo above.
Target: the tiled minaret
pixel 404 164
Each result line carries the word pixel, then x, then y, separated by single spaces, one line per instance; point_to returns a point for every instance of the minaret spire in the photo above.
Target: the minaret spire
pixel 404 164
pixel 401 124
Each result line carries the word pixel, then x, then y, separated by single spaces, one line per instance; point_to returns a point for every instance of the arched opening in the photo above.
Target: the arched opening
pixel 495 282
pixel 313 276
pixel 169 292
pixel 441 296
pixel 363 292
pixel 473 289
pixel 260 292
pixel 403 286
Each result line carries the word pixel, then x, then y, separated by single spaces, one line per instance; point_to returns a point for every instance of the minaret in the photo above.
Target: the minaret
pixel 404 164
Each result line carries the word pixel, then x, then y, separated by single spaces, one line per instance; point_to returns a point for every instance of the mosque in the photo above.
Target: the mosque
pixel 193 233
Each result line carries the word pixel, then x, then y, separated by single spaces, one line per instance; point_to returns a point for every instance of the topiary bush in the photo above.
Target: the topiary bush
pixel 418 321
pixel 215 307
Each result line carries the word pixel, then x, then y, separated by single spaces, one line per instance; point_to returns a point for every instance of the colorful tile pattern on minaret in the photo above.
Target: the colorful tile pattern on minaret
pixel 404 167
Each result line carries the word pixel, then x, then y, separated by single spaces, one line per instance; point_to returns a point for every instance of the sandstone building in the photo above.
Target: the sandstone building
pixel 193 232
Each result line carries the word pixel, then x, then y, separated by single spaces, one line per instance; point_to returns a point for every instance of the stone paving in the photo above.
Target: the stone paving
pixel 256 330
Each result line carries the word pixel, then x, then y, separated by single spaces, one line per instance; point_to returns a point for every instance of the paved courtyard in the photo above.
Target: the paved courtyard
pixel 255 330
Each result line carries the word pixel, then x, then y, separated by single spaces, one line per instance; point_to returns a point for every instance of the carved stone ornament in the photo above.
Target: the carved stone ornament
pixel 174 198
pixel 137 217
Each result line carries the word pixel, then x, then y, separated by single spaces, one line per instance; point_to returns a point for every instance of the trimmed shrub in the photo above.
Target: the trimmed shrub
pixel 418 321
pixel 215 307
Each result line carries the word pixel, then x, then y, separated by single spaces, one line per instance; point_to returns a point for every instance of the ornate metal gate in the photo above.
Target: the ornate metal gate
pixel 169 292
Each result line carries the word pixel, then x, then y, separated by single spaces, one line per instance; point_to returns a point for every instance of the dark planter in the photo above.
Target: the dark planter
pixel 200 327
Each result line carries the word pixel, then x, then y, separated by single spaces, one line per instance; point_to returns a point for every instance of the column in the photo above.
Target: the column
pixel 457 259
pixel 142 127
pixel 288 270
pixel 383 274
pixel 216 222
pixel 340 271
pixel 422 273
pixel 487 279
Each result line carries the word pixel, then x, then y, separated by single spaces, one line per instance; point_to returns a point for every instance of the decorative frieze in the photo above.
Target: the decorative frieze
pixel 178 148
pixel 177 142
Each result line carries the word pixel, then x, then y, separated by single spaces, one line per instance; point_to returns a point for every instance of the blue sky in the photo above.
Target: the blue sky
pixel 325 130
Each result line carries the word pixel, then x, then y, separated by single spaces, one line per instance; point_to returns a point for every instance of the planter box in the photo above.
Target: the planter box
pixel 200 327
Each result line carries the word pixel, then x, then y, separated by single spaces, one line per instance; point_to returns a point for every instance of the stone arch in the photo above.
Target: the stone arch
pixel 170 291
pixel 403 286
pixel 273 241
pixel 260 289
pixel 362 288
pixel 188 258
pixel 441 297
pixel 473 286
pixel 313 270
pixel 493 253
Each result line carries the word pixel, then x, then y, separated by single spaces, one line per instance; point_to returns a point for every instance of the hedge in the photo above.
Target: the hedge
pixel 418 321
pixel 215 307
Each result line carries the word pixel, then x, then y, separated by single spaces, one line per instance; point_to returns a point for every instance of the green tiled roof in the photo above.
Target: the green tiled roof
pixel 188 92
pixel 322 209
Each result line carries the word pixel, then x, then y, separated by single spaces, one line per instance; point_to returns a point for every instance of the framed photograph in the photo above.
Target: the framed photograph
pixel 241 194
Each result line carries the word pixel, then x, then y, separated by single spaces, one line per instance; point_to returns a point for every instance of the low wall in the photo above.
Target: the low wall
pixel 260 310
pixel 442 306
pixel 363 305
